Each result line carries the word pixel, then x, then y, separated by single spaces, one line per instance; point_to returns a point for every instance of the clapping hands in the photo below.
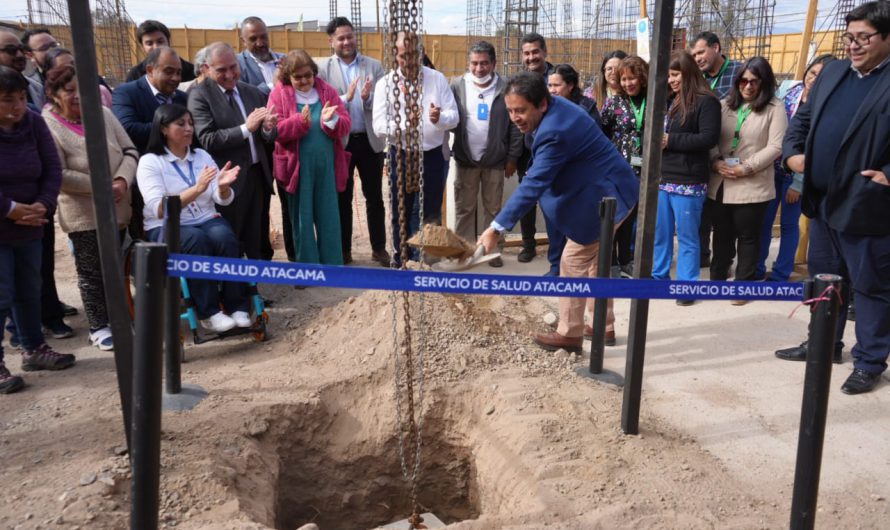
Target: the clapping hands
pixel 328 112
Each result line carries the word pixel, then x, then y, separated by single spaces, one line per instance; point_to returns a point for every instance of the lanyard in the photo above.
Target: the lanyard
pixel 189 181
pixel 639 113
pixel 743 115
pixel 667 115
pixel 719 74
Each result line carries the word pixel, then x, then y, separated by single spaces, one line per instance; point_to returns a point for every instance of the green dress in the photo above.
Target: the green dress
pixel 314 211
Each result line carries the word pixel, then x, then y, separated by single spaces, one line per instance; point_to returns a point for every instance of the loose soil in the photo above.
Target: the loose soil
pixel 302 428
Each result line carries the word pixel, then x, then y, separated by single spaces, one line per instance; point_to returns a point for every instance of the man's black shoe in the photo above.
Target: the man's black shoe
pixel 799 353
pixel 67 310
pixel 860 382
pixel 851 313
pixel 526 254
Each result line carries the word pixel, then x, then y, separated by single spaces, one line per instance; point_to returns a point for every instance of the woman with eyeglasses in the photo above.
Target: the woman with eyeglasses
pixel 741 184
pixel 789 186
pixel 608 83
pixel 310 160
pixel 691 130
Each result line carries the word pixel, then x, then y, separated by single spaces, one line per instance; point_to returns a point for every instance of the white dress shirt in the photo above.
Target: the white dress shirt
pixel 157 177
pixel 245 132
pixel 435 90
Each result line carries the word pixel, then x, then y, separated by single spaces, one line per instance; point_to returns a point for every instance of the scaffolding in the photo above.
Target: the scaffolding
pixel 520 17
pixel 112 26
pixel 356 19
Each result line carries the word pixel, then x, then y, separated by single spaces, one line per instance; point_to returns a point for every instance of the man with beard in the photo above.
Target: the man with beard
pixel 12 54
pixel 39 42
pixel 257 62
pixel 354 76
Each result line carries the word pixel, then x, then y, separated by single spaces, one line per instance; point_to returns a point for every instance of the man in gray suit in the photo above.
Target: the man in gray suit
pixel 354 76
pixel 233 125
pixel 257 62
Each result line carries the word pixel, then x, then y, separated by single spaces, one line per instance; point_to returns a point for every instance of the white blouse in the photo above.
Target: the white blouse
pixel 160 175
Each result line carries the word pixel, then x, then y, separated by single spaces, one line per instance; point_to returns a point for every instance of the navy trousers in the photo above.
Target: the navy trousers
pixel 865 260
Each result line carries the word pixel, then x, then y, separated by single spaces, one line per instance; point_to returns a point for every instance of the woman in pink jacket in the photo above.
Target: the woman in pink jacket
pixel 309 157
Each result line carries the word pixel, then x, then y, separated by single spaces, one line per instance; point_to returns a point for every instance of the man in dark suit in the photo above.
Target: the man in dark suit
pixel 258 63
pixel 840 140
pixel 354 75
pixel 233 125
pixel 573 167
pixel 134 105
pixel 152 34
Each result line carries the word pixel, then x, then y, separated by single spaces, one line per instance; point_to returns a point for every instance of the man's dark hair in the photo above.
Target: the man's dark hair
pixel 710 39
pixel 483 47
pixel 26 36
pixel 151 26
pixel 11 81
pixel 53 55
pixel 164 116
pixel 529 85
pixel 337 22
pixel 877 14
pixel 529 38
pixel 762 70
pixel 155 55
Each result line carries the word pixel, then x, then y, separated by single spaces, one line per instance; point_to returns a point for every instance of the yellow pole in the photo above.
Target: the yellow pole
pixel 643 12
pixel 805 39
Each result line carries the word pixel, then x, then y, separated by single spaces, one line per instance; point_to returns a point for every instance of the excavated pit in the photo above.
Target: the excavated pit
pixel 335 462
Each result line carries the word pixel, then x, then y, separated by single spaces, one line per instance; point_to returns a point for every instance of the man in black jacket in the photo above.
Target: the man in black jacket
pixel 486 145
pixel 840 140
pixel 152 34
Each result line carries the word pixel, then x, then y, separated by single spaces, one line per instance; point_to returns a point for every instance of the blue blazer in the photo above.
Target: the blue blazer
pixel 134 105
pixel 573 167
pixel 250 71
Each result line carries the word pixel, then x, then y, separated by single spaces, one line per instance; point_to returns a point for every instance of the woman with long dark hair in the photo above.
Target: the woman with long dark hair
pixel 608 83
pixel 691 130
pixel 564 82
pixel 789 186
pixel 741 183
pixel 170 166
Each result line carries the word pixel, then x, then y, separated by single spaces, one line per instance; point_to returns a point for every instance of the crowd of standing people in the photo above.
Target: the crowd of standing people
pixel 233 128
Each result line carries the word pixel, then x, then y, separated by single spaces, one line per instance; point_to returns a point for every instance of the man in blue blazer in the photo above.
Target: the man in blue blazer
pixel 258 63
pixel 573 167
pixel 134 105
pixel 840 140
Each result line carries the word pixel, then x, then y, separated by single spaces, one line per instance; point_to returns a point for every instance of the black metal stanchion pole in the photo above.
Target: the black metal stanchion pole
pixel 172 344
pixel 151 265
pixel 663 32
pixel 604 267
pixel 816 385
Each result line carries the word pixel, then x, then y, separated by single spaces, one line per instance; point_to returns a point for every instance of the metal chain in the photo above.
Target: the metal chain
pixel 406 142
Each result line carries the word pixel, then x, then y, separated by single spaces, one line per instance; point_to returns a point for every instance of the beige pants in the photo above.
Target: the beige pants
pixel 579 261
pixel 467 184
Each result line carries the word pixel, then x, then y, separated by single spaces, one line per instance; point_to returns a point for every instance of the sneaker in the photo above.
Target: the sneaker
pixel 68 310
pixel 59 329
pixel 496 262
pixel 242 319
pixel 45 358
pixel 9 383
pixel 101 338
pixel 627 270
pixel 382 257
pixel 15 342
pixel 553 272
pixel 526 254
pixel 219 323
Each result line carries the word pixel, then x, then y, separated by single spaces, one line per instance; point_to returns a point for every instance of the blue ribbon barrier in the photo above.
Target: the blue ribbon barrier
pixel 241 270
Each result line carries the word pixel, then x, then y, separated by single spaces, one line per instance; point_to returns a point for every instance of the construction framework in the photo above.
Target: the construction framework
pixel 112 27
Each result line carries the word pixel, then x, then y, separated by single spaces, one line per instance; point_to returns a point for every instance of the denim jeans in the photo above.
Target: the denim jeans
pixel 435 171
pixel 682 212
pixel 211 238
pixel 789 234
pixel 20 290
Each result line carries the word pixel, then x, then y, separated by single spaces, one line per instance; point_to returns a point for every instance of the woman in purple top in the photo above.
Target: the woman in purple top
pixel 30 176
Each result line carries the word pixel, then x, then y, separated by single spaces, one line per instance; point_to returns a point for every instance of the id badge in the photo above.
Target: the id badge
pixel 194 210
pixel 482 112
pixel 636 161
pixel 732 162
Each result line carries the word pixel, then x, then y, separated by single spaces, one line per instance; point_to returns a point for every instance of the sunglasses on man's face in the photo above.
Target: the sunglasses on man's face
pixel 745 82
pixel 13 49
